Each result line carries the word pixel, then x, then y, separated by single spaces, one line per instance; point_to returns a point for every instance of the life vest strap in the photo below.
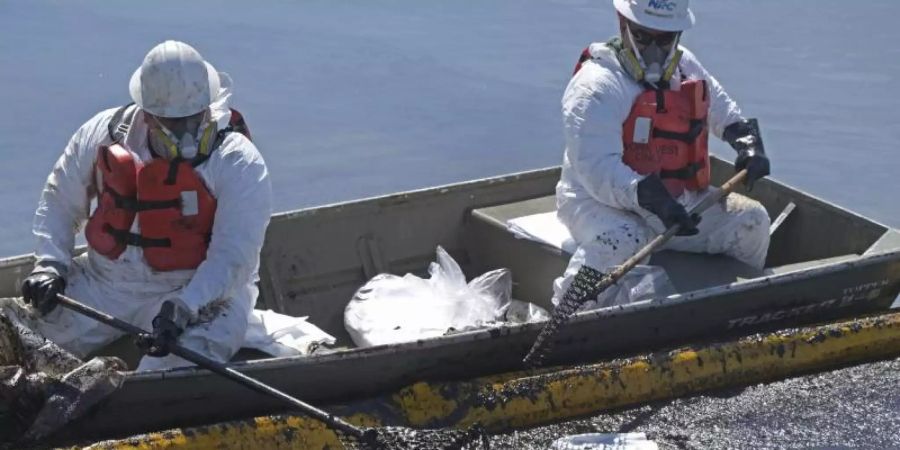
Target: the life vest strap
pixel 172 173
pixel 129 238
pixel 585 55
pixel 660 99
pixel 133 204
pixel 120 123
pixel 685 173
pixel 696 128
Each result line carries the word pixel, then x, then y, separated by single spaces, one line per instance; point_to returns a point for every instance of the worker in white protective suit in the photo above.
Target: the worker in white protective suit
pixel 181 200
pixel 637 114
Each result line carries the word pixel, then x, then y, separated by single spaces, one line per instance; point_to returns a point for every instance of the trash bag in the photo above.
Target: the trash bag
pixel 604 441
pixel 390 308
pixel 283 335
pixel 517 311
pixel 640 283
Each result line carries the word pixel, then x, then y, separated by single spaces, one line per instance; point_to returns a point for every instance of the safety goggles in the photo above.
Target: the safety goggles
pixel 645 37
pixel 180 124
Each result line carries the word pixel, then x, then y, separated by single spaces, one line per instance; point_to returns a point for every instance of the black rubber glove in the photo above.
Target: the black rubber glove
pixel 168 325
pixel 745 139
pixel 40 288
pixel 653 196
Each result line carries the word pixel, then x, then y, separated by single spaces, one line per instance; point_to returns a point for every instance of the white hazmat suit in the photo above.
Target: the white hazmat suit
pixel 221 292
pixel 597 192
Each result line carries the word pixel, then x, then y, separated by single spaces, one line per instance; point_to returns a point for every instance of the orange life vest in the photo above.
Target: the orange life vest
pixel 666 133
pixel 174 208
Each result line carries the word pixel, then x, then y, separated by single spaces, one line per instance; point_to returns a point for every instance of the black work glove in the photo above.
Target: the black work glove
pixel 745 139
pixel 40 288
pixel 653 196
pixel 168 325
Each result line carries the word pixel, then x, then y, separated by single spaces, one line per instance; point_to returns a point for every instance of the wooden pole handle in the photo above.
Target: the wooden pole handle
pixel 710 199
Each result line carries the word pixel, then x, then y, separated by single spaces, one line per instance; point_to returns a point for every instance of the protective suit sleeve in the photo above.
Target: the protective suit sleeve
pixel 723 111
pixel 592 124
pixel 63 206
pixel 240 182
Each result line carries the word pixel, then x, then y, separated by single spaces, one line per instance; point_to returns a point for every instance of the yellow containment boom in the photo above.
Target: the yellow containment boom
pixel 532 398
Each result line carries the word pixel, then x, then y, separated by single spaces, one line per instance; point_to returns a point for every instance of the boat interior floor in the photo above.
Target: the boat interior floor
pixel 534 264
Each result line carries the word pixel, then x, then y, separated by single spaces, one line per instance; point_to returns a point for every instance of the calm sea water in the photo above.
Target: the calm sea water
pixel 349 99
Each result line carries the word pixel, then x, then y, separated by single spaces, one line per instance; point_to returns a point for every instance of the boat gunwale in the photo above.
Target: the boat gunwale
pixel 414 194
pixel 341 206
pixel 426 192
pixel 275 363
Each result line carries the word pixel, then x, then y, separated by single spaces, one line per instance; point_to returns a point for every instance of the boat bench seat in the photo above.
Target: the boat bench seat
pixel 534 265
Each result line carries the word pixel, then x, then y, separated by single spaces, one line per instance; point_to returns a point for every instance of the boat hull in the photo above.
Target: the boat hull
pixel 186 397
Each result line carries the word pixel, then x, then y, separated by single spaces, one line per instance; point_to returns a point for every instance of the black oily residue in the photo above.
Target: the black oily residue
pixel 490 399
pixel 533 386
pixel 603 239
pixel 401 438
pixel 857 407
pixel 779 349
pixel 530 387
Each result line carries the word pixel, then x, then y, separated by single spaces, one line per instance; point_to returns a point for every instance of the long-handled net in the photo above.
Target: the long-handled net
pixel 380 438
pixel 588 283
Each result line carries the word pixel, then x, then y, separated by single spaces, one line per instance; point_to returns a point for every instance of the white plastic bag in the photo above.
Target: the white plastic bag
pixel 517 311
pixel 390 309
pixel 640 283
pixel 282 335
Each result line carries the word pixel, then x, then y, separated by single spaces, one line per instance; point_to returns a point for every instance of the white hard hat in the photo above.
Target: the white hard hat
pixel 174 81
pixel 662 15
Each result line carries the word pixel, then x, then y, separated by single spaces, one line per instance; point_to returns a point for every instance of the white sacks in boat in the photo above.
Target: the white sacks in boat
pixel 643 282
pixel 283 335
pixel 391 309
